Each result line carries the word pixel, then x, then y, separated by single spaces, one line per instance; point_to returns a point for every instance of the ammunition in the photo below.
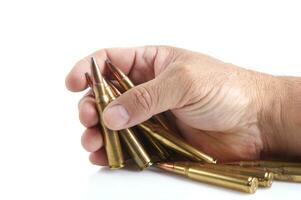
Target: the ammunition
pixel 242 183
pixel 291 174
pixel 111 138
pixel 127 84
pixel 134 147
pixel 122 79
pixel 175 143
pixel 264 163
pixel 265 177
pixel 283 171
pixel 162 153
pixel 244 176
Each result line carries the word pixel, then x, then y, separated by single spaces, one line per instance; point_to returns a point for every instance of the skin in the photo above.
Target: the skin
pixel 226 111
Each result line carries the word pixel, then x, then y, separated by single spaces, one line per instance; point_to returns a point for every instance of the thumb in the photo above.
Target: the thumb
pixel 143 101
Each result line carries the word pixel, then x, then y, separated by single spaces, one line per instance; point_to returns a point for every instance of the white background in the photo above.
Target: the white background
pixel 40 152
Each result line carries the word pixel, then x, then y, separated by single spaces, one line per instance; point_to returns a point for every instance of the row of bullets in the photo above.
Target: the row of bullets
pixel 155 142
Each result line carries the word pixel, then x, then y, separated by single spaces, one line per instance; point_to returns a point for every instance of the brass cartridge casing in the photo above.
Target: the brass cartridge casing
pixel 290 174
pixel 161 151
pixel 134 147
pixel 241 183
pixel 283 171
pixel 127 84
pixel 265 163
pixel 265 177
pixel 111 137
pixel 173 142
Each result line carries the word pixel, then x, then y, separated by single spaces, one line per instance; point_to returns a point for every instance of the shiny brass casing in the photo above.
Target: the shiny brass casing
pixel 290 174
pixel 127 84
pixel 242 183
pixel 111 137
pixel 134 147
pixel 265 163
pixel 283 171
pixel 175 143
pixel 265 177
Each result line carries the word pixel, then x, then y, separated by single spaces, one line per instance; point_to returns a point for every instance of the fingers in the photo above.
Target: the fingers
pixel 139 62
pixel 92 140
pixel 99 157
pixel 143 101
pixel 88 115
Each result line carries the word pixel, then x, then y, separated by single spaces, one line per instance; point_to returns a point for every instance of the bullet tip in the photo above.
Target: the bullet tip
pixel 95 71
pixel 117 73
pixel 89 80
pixel 108 61
pixel 165 166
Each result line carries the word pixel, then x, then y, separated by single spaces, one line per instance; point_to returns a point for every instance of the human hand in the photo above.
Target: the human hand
pixel 228 112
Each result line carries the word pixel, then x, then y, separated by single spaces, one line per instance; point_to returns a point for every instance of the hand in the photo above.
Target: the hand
pixel 228 112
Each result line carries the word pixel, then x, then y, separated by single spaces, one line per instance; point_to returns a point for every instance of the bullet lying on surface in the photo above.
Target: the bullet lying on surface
pixel 290 174
pixel 264 163
pixel 242 183
pixel 283 171
pixel 265 177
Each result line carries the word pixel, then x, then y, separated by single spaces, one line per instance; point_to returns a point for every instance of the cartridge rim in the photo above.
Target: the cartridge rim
pixel 117 166
pixel 148 164
pixel 269 179
pixel 253 183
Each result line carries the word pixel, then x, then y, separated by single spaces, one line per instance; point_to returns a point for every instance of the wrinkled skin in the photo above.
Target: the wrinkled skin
pixel 226 111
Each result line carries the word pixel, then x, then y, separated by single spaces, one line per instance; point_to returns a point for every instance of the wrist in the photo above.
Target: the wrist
pixel 279 116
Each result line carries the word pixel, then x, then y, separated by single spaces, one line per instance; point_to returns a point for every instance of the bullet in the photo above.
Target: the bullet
pixel 264 163
pixel 265 177
pixel 134 147
pixel 127 84
pixel 161 152
pixel 241 183
pixel 290 174
pixel 283 171
pixel 173 142
pixel 123 79
pixel 111 138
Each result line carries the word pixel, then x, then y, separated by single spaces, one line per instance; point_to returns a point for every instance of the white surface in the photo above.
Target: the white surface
pixel 40 152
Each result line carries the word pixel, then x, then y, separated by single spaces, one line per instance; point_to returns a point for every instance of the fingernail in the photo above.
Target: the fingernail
pixel 116 116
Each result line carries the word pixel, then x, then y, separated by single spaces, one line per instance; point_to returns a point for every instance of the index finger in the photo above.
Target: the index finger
pixel 139 63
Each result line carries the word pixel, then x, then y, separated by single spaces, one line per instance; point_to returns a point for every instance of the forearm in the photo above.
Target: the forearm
pixel 281 121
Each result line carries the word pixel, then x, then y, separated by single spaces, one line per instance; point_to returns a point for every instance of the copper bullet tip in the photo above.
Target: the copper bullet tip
pixel 117 73
pixel 89 80
pixel 165 166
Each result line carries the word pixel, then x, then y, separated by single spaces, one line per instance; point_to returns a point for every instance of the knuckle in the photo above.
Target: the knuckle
pixel 143 99
pixel 185 70
pixel 186 77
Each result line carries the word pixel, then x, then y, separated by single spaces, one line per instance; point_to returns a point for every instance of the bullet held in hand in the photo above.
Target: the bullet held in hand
pixel 164 146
